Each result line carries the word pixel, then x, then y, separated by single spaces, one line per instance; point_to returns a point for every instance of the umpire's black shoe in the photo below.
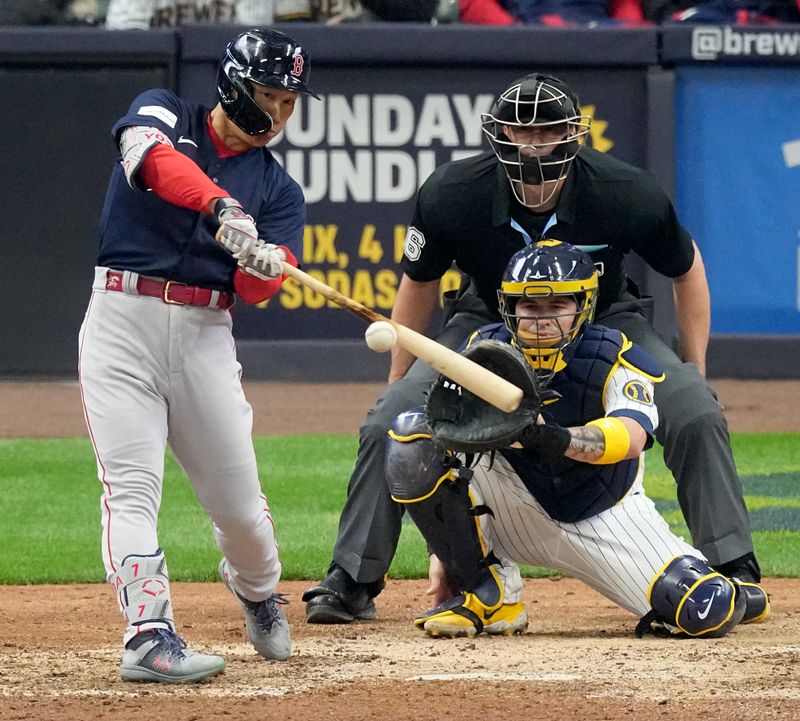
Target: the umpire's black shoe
pixel 340 599
pixel 746 574
pixel 745 568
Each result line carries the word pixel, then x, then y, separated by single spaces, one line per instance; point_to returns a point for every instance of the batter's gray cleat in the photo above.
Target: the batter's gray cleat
pixel 162 655
pixel 267 627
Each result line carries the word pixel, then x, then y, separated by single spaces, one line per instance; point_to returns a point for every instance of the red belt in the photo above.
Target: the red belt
pixel 172 292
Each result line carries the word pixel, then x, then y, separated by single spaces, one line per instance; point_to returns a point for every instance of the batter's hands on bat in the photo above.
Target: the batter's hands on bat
pixel 237 230
pixel 265 261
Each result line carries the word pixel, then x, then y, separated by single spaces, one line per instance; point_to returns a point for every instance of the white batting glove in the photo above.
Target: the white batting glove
pixel 265 261
pixel 237 230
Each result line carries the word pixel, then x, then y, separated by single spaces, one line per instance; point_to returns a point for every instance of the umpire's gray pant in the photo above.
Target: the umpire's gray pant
pixel 692 430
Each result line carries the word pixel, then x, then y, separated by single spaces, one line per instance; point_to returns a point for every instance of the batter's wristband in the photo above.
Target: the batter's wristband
pixel 617 440
pixel 226 203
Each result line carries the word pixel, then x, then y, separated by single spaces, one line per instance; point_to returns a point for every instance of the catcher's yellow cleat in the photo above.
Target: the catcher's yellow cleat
pixel 467 616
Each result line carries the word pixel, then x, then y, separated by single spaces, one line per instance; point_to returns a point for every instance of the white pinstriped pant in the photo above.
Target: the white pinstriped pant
pixel 617 552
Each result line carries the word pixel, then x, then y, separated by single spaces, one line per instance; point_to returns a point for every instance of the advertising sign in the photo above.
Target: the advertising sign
pixel 362 151
pixel 738 182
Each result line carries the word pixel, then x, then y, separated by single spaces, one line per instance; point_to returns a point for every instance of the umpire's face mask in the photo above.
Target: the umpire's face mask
pixel 536 158
pixel 535 131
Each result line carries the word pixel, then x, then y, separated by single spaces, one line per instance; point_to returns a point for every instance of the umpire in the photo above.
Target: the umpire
pixel 541 182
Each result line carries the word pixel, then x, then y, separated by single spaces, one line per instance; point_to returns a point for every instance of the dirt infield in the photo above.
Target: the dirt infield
pixel 579 660
pixel 52 410
pixel 60 646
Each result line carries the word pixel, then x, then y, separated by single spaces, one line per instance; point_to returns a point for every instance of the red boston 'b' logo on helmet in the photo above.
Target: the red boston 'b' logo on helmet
pixel 297 64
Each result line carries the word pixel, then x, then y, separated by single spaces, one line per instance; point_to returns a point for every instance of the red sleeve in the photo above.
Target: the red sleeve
pixel 178 180
pixel 630 10
pixel 255 290
pixel 485 12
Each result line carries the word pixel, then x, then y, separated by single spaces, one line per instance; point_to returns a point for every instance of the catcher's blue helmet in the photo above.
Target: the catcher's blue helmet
pixel 544 270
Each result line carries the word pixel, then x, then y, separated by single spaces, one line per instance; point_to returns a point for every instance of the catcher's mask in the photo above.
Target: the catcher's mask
pixel 262 57
pixel 544 112
pixel 549 269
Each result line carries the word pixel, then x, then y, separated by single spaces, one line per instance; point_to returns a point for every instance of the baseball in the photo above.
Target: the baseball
pixel 380 336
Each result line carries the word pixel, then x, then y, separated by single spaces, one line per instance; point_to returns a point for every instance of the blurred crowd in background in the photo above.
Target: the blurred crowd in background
pixel 143 14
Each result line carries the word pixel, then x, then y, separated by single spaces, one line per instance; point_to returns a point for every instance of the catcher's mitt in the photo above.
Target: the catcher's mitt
pixel 460 421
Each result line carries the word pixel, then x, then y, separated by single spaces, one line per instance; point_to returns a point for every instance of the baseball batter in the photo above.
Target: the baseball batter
pixel 564 490
pixel 197 211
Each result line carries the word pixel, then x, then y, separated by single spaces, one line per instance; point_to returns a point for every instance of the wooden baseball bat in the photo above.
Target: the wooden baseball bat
pixel 466 373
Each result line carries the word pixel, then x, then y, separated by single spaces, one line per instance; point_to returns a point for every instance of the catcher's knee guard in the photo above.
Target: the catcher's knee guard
pixel 690 598
pixel 756 601
pixel 415 465
pixel 434 488
pixel 142 587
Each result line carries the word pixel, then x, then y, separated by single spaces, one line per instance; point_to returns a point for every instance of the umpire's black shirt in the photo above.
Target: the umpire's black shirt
pixel 465 210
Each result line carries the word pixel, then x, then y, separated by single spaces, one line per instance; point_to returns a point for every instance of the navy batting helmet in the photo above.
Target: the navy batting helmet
pixel 264 57
pixel 544 103
pixel 545 270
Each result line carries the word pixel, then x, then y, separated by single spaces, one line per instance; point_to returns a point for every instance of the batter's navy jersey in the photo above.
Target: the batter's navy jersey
pixel 607 375
pixel 143 233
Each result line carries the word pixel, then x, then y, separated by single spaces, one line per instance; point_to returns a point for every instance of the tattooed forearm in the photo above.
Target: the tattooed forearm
pixel 588 444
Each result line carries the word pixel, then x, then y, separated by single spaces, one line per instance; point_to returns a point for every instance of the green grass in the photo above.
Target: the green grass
pixel 49 505
pixel 769 466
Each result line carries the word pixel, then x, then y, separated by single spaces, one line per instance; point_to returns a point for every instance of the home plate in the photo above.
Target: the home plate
pixel 487 676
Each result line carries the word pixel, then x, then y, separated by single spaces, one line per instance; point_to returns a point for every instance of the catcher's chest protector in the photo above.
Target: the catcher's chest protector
pixel 570 490
pixel 582 382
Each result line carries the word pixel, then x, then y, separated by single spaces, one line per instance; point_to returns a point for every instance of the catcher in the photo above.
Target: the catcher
pixel 558 483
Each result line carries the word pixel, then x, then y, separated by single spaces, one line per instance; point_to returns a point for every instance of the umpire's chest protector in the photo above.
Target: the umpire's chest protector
pixel 570 490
